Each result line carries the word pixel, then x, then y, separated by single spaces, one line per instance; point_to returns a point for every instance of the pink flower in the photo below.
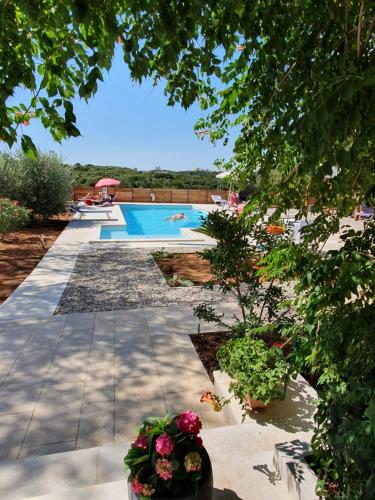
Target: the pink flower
pixel 189 422
pixel 137 487
pixel 141 442
pixel 164 445
pixel 192 462
pixel 164 468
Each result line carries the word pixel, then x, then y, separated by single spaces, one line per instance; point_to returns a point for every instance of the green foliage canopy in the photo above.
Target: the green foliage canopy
pixel 88 175
pixel 42 184
pixel 300 87
pixel 334 337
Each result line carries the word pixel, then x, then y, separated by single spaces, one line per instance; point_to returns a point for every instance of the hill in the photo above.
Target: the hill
pixel 88 175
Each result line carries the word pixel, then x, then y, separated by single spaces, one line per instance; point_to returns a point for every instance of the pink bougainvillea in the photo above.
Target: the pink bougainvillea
pixel 137 487
pixel 167 455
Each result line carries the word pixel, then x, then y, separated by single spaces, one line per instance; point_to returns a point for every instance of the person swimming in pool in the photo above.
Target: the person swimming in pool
pixel 179 216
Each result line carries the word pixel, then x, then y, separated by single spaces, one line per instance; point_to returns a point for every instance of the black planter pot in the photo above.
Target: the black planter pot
pixel 204 492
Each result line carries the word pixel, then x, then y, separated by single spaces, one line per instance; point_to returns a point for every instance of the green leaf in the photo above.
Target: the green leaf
pixel 28 147
pixel 141 459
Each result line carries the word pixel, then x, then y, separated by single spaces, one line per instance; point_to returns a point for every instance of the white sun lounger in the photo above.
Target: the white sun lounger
pixel 216 198
pixel 79 211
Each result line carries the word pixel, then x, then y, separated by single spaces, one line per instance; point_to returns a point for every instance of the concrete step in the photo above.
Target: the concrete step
pixel 242 461
pixel 290 463
pixel 115 490
pixel 294 413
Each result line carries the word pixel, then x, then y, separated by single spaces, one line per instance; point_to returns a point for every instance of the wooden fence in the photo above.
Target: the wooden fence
pixel 161 195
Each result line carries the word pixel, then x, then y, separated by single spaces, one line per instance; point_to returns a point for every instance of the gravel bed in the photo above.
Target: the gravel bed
pixel 123 278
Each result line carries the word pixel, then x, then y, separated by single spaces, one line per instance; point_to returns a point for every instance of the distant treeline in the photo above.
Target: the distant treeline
pixel 88 175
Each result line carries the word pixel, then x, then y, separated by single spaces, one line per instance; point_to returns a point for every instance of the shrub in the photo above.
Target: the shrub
pixel 236 264
pixel 334 337
pixel 256 370
pixel 12 217
pixel 42 185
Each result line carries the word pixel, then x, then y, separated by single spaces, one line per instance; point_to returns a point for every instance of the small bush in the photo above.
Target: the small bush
pixel 256 370
pixel 12 217
pixel 42 185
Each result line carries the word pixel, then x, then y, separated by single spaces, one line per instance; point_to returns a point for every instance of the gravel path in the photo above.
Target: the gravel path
pixel 124 278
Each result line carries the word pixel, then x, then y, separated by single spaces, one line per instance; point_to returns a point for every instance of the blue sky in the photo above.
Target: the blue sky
pixel 127 124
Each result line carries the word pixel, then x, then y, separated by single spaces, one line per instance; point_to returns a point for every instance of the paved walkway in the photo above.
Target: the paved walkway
pixel 81 380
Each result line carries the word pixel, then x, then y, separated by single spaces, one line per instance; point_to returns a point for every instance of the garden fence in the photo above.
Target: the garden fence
pixel 160 195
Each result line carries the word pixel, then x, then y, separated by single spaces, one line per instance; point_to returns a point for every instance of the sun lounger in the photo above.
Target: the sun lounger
pixel 74 209
pixel 218 200
pixel 364 212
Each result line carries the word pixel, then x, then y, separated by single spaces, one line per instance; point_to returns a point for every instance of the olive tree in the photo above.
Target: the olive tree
pixel 42 185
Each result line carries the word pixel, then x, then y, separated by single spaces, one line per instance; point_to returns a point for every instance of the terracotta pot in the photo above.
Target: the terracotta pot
pixel 205 492
pixel 255 404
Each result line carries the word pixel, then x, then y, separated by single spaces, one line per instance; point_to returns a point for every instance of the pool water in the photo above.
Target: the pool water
pixel 148 221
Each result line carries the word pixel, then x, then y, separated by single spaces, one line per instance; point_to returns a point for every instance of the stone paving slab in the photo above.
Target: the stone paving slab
pixel 116 490
pixel 89 378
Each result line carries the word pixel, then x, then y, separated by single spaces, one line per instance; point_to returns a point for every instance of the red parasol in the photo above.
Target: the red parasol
pixel 107 182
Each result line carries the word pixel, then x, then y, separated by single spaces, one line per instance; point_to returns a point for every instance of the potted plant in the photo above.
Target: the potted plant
pixel 168 460
pixel 259 373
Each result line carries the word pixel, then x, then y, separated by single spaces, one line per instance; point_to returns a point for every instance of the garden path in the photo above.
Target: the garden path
pixel 85 379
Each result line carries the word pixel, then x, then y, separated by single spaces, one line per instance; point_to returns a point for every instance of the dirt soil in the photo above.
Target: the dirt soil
pixel 21 251
pixel 207 345
pixel 186 265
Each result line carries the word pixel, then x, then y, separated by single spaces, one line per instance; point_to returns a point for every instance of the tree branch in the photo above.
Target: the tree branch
pixel 359 27
pixel 265 300
pixel 346 42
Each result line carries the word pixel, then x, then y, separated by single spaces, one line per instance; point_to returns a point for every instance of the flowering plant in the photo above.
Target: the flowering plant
pixel 167 458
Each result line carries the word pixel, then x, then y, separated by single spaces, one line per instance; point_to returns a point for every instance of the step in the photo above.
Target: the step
pixel 241 455
pixel 294 413
pixel 289 459
pixel 115 490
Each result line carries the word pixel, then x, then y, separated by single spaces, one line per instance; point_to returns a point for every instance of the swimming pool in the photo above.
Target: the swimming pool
pixel 148 221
